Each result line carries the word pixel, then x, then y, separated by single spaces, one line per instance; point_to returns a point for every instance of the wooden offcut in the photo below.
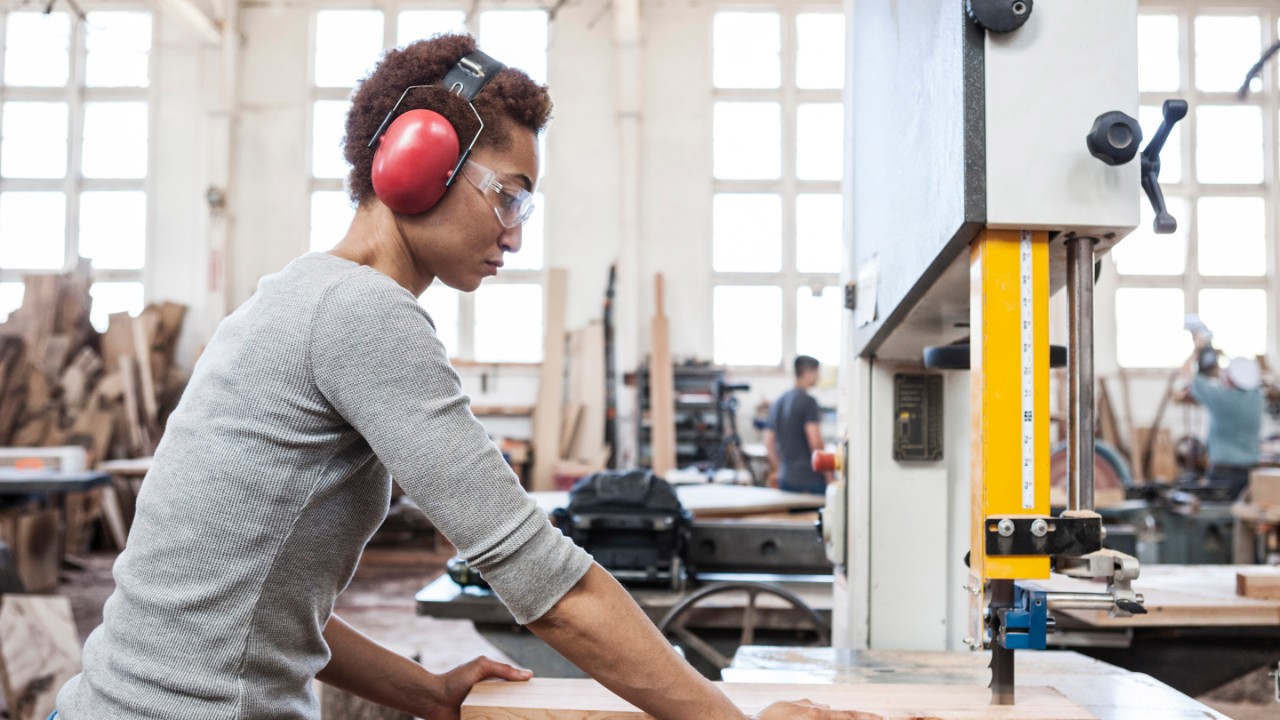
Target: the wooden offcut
pixel 543 699
pixel 39 652
pixel 587 391
pixel 1264 487
pixel 1261 583
pixel 662 389
pixel 547 414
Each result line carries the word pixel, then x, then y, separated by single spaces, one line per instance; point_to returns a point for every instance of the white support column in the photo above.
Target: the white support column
pixel 629 326
pixel 223 122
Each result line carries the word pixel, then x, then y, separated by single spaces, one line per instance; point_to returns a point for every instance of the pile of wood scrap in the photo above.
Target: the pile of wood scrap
pixel 62 383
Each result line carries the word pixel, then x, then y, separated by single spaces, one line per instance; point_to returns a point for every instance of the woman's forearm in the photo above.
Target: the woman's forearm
pixel 601 630
pixel 363 667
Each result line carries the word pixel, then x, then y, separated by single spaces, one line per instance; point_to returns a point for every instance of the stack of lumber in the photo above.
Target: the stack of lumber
pixel 61 383
pixel 569 419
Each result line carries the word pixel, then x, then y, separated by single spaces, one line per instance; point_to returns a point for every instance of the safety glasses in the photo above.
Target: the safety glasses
pixel 512 205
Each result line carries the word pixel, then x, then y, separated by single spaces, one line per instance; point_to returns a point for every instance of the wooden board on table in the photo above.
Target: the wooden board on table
pixel 542 699
pixel 1178 596
pixel 662 389
pixel 39 652
pixel 1262 583
pixel 547 413
pixel 707 501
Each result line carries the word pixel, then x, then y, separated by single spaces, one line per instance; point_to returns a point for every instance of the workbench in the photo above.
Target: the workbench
pixel 1197 634
pixel 717 500
pixel 1109 692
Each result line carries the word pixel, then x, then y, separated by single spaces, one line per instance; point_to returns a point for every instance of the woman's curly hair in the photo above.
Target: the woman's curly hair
pixel 510 99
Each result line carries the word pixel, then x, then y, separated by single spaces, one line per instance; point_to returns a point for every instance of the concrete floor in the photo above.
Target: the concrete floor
pixel 379 602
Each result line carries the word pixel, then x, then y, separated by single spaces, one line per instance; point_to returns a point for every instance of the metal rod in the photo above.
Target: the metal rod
pixel 1080 374
pixel 1083 600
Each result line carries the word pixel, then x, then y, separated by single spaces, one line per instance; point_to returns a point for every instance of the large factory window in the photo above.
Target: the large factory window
pixel 73 158
pixel 777 161
pixel 1219 175
pixel 347 44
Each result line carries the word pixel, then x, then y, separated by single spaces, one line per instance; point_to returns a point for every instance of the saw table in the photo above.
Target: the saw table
pixel 1107 691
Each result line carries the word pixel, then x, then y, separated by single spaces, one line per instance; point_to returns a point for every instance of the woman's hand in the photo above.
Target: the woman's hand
pixel 806 710
pixel 457 683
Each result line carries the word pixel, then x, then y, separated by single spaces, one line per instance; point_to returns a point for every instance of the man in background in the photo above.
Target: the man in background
pixel 1235 405
pixel 793 433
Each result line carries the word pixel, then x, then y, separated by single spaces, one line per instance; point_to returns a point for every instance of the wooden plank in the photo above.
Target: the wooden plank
pixel 39 652
pixel 547 412
pixel 543 699
pixel 662 388
pixel 587 388
pixel 35 550
pixel 571 424
pixel 1262 583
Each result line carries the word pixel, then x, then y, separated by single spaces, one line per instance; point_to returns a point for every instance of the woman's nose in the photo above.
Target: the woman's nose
pixel 511 239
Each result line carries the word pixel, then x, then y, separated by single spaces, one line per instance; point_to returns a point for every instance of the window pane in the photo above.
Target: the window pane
pixel 820 54
pixel 517 38
pixel 1229 144
pixel 1149 327
pixel 818 324
pixel 819 223
pixel 1158 60
pixel 328 126
pixel 331 214
pixel 113 297
pixel 1144 252
pixel 1231 236
pixel 746 233
pixel 441 303
pixel 1149 118
pixel 115 140
pixel 747 325
pixel 10 298
pixel 348 43
pixel 414 25
pixel 36 49
pixel 1226 47
pixel 1238 319
pixel 33 230
pixel 119 48
pixel 530 256
pixel 113 229
pixel 747 49
pixel 508 323
pixel 820 141
pixel 34 140
pixel 748 140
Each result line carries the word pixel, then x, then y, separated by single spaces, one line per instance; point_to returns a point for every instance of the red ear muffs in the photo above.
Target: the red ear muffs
pixel 412 163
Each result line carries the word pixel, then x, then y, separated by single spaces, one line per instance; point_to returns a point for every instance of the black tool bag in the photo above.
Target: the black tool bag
pixel 632 523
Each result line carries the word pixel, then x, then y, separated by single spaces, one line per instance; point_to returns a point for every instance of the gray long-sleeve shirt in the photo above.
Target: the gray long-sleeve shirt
pixel 271 477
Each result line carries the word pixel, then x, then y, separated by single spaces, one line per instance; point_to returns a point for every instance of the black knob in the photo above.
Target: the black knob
pixel 1173 111
pixel 1114 138
pixel 999 16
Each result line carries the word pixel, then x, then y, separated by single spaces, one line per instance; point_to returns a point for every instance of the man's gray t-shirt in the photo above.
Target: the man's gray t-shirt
pixel 1235 421
pixel 271 477
pixel 787 418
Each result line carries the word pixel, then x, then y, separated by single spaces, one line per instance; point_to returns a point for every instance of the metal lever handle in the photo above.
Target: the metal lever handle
pixel 1173 110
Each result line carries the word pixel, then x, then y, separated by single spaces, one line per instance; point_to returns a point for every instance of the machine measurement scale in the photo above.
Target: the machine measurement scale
pixel 1027 313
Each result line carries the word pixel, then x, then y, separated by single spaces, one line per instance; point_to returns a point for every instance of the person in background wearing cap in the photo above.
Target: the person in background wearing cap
pixel 1235 405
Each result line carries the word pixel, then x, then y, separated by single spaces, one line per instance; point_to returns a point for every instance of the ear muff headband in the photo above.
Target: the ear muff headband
pixel 465 79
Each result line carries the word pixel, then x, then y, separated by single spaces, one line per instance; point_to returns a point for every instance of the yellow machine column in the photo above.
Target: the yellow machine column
pixel 1009 319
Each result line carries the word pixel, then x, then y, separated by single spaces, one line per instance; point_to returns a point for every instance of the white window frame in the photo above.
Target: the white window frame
pixel 1190 189
pixel 75 94
pixel 465 352
pixel 788 187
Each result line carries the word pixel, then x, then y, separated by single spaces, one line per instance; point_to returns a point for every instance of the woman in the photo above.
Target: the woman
pixel 273 471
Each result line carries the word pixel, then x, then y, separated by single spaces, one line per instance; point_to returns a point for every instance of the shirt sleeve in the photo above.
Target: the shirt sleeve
pixel 812 413
pixel 1205 392
pixel 377 360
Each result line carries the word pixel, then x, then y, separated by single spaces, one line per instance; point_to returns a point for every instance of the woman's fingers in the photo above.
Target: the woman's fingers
pixel 483 668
